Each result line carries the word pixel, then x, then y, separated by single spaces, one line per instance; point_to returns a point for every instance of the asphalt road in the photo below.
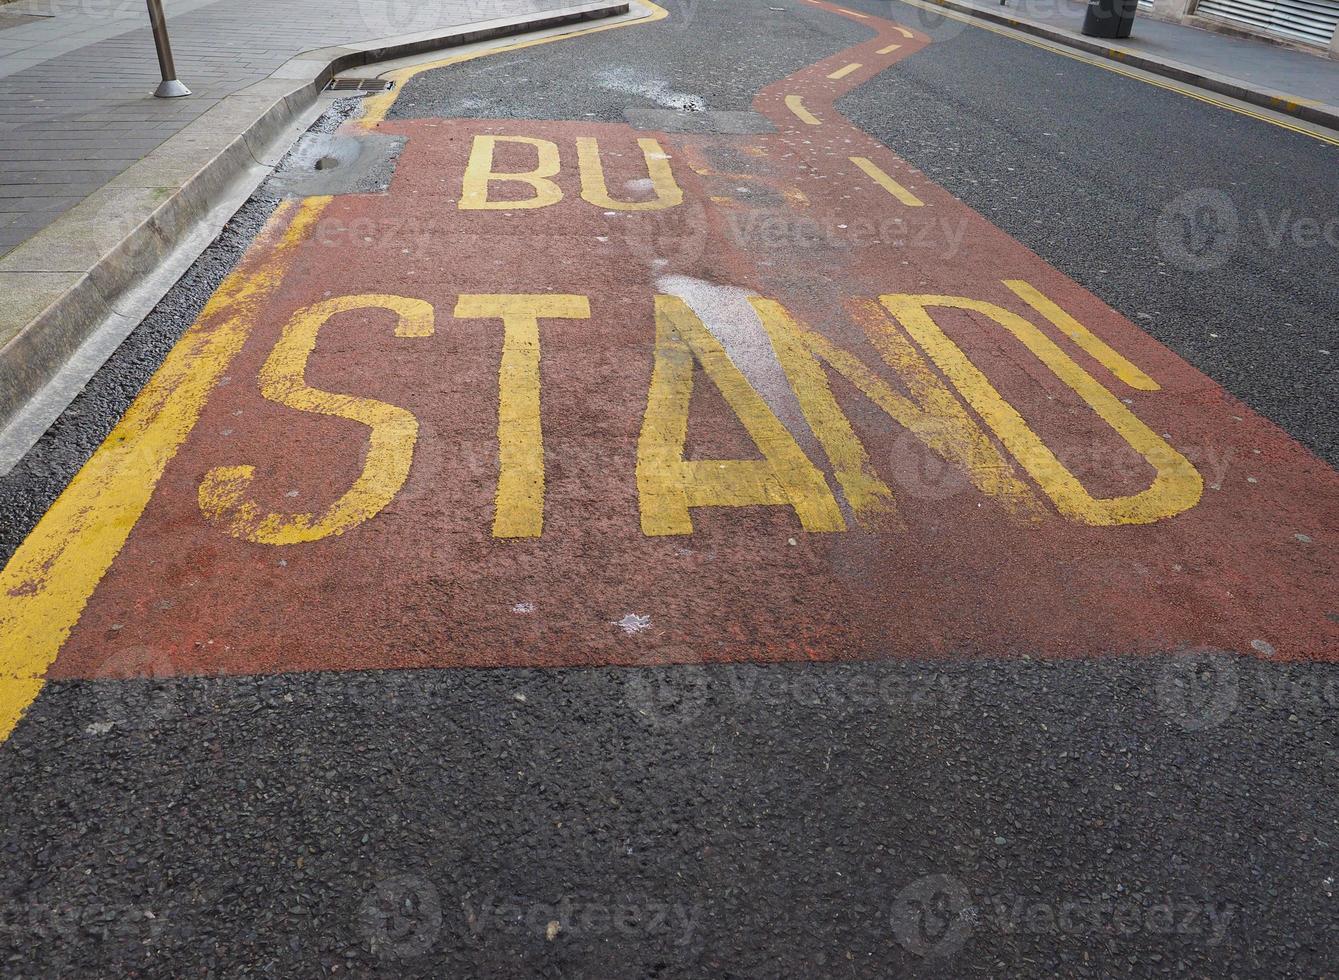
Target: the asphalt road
pixel 983 815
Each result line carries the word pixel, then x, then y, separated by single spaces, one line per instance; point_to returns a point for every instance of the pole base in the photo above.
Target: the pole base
pixel 170 88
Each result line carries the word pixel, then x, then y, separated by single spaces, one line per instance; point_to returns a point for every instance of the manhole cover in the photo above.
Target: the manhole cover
pixel 358 85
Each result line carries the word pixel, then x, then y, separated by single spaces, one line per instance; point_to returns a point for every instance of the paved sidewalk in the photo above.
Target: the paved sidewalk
pixel 1254 63
pixel 76 79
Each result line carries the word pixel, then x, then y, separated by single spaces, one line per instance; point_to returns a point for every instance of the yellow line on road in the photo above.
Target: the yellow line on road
pixel 46 584
pixel 844 71
pixel 890 49
pixel 376 107
pixel 50 578
pixel 903 31
pixel 1108 65
pixel 887 183
pixel 795 105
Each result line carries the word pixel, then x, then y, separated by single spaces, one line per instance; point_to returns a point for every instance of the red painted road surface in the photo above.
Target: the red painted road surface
pixel 940 564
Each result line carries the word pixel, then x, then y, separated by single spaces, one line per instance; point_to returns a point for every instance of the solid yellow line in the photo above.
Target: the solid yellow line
pixel 376 107
pixel 1107 65
pixel 1096 347
pixel 795 105
pixel 843 72
pixel 890 49
pixel 855 13
pixel 903 31
pixel 45 586
pixel 887 183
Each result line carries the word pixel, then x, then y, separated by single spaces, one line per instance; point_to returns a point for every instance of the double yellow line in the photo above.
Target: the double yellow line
pixel 1181 88
pixel 376 107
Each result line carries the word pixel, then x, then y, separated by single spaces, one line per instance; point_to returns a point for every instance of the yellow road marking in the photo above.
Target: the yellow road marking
pixel 668 485
pixel 1081 335
pixel 870 498
pixel 48 581
pixel 1177 485
pixel 519 505
pixel 890 49
pixel 46 584
pixel 843 72
pixel 796 106
pixel 855 13
pixel 887 183
pixel 932 414
pixel 903 31
pixel 479 175
pixel 376 107
pixel 1107 65
pixel 595 191
pixel 283 379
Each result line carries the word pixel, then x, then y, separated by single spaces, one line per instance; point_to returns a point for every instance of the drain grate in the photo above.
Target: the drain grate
pixel 359 85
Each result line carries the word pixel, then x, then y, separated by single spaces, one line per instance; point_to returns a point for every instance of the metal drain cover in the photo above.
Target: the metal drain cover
pixel 359 85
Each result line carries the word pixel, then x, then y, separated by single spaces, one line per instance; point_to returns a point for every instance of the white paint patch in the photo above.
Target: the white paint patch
pixel 100 727
pixel 634 623
pixel 522 608
pixel 649 88
pixel 643 185
pixel 731 319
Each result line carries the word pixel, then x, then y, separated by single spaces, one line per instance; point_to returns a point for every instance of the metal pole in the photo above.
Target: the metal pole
pixel 169 87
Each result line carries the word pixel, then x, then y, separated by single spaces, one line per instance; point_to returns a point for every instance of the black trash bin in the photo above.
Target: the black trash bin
pixel 1109 18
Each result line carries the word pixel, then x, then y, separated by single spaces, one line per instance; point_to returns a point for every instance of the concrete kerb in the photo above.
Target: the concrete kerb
pixel 1267 98
pixel 79 286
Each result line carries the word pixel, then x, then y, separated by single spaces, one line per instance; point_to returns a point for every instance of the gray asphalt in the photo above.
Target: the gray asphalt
pixel 749 821
pixel 1168 817
pixel 1092 170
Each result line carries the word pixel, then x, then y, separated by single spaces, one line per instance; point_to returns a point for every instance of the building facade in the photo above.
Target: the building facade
pixel 1309 24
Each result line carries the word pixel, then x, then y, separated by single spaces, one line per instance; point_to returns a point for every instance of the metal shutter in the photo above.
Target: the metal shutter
pixel 1305 20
